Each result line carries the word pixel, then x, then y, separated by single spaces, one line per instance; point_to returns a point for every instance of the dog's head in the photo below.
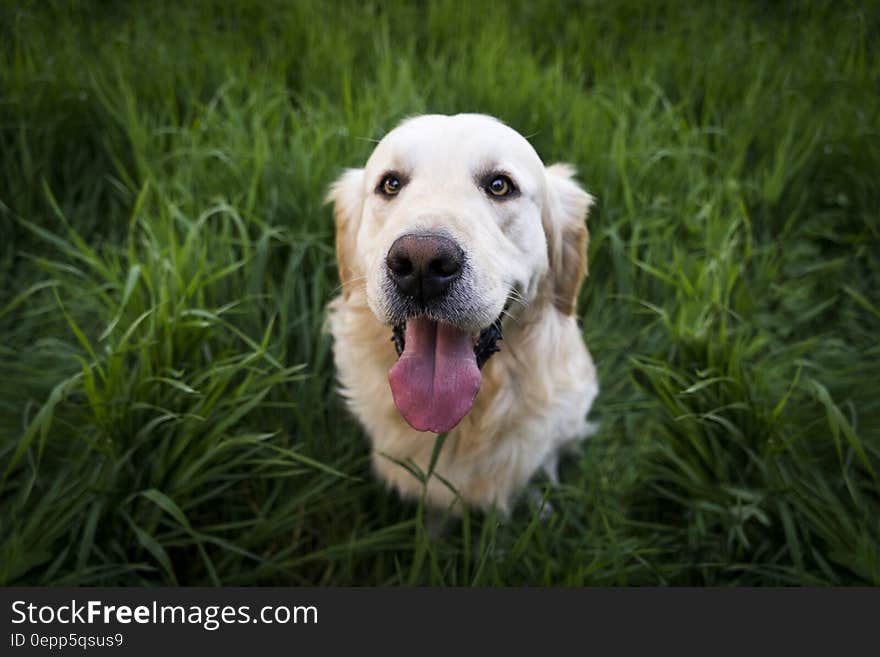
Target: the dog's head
pixel 454 222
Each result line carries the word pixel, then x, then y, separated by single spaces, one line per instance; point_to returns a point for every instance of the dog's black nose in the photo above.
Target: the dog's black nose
pixel 424 265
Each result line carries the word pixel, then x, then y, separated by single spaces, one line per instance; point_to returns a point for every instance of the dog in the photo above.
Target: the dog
pixel 460 257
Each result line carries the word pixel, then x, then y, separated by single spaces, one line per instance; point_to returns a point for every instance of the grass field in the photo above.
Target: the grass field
pixel 167 405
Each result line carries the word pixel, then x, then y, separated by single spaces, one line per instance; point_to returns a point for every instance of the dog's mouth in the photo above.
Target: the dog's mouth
pixel 437 376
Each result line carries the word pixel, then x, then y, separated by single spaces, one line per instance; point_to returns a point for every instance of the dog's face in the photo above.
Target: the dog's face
pixel 454 222
pixel 469 180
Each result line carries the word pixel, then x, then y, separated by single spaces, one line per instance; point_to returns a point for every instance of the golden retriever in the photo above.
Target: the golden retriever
pixel 461 256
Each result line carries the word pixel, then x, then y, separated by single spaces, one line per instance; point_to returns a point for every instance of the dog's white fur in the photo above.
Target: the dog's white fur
pixel 537 390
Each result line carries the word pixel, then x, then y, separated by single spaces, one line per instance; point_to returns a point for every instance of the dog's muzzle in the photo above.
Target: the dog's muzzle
pixel 437 374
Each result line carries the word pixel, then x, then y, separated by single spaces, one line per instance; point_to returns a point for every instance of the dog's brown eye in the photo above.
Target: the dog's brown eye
pixel 500 186
pixel 390 185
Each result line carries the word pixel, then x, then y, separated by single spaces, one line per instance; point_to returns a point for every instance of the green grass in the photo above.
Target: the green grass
pixel 167 405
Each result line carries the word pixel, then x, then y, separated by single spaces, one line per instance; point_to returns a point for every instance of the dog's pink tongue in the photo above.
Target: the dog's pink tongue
pixel 436 378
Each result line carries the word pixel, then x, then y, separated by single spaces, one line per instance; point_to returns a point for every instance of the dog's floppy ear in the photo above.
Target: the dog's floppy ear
pixel 346 195
pixel 564 221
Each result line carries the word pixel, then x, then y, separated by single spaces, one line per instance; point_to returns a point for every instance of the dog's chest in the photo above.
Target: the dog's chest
pixel 533 398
